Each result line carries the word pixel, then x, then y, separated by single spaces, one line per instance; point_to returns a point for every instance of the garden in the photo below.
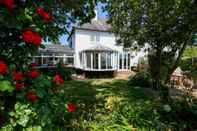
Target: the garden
pixel 35 100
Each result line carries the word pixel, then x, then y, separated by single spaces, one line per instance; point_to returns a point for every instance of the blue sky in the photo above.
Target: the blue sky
pixel 101 14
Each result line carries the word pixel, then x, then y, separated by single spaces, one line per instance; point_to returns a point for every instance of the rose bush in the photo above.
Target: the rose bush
pixel 29 99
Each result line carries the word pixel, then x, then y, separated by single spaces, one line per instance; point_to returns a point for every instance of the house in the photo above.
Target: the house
pixel 92 48
pixel 96 49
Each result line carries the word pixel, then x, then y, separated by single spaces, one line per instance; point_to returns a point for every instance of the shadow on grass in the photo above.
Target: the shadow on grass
pixel 110 104
pixel 104 100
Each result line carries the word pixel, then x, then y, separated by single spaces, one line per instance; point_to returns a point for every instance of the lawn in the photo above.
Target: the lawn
pixel 109 104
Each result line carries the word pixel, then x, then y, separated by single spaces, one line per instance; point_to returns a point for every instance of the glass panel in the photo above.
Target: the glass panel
pixel 97 38
pixel 120 61
pixel 103 60
pixel 70 61
pixel 109 66
pixel 95 61
pixel 88 59
pixel 125 61
pixel 80 57
pixel 92 38
pixel 129 56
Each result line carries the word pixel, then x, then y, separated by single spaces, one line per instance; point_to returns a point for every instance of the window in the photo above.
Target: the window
pixel 129 60
pixel 103 60
pixel 92 38
pixel 109 64
pixel 125 60
pixel 95 60
pixel 120 61
pixel 88 59
pixel 95 38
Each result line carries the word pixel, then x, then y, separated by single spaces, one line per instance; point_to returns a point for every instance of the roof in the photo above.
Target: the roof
pixel 56 48
pixel 95 25
pixel 177 72
pixel 99 47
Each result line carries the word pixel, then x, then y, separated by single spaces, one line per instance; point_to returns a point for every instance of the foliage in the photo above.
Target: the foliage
pixel 189 53
pixel 24 91
pixel 6 85
pixel 65 72
pixel 141 79
pixel 186 64
pixel 180 116
pixel 48 110
pixel 167 27
pixel 20 117
pixel 113 105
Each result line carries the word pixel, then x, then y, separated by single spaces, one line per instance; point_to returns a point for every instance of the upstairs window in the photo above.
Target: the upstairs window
pixel 95 38
pixel 92 38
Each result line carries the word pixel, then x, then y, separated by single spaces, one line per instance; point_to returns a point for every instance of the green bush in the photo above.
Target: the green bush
pixel 65 72
pixel 186 64
pixel 179 115
pixel 142 79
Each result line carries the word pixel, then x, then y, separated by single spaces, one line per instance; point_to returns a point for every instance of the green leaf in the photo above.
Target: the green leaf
pixel 23 120
pixel 34 128
pixel 6 85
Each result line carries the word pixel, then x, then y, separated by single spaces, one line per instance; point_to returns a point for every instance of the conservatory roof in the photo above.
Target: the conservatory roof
pixel 99 47
pixel 56 48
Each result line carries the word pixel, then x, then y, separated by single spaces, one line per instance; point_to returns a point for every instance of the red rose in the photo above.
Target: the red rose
pixel 58 79
pixel 40 11
pixel 31 96
pixel 33 65
pixel 19 86
pixel 71 107
pixel 37 39
pixel 17 76
pixel 34 74
pixel 46 16
pixel 27 35
pixel 31 37
pixel 3 67
pixel 8 3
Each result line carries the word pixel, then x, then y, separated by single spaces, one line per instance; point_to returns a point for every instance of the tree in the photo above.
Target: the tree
pixel 49 18
pixel 23 26
pixel 166 26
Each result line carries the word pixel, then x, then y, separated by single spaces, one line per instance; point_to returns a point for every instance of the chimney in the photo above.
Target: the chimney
pixel 96 14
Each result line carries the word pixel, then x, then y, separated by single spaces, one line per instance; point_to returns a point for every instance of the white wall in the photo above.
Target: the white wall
pixel 83 40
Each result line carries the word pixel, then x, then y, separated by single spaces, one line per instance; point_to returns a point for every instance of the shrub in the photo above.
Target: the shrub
pixel 65 72
pixel 186 64
pixel 142 79
pixel 180 115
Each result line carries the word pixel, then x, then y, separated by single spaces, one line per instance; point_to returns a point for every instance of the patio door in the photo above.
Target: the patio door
pixel 124 61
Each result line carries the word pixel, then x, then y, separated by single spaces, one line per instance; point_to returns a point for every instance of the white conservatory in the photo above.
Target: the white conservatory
pixel 53 54
pixel 101 58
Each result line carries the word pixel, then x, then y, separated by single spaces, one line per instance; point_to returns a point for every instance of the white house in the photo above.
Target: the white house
pixel 92 48
pixel 96 49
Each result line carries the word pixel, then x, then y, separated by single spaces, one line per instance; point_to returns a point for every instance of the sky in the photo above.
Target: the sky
pixel 101 14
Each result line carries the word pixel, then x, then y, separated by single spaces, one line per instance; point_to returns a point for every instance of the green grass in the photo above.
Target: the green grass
pixel 112 106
